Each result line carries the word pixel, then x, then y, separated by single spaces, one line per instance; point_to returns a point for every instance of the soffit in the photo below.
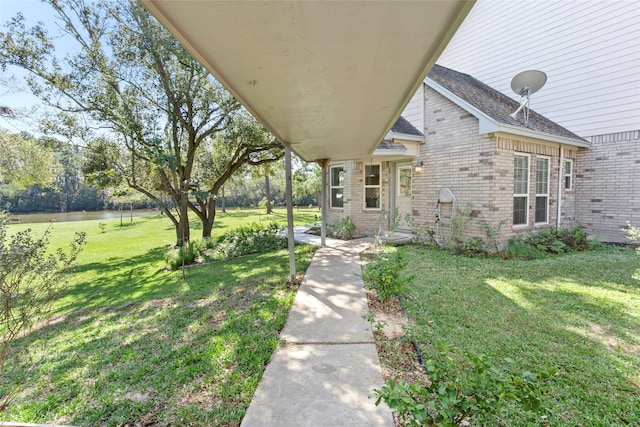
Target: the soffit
pixel 327 78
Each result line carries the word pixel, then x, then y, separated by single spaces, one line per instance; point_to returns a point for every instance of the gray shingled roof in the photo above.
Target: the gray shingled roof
pixel 493 103
pixel 402 125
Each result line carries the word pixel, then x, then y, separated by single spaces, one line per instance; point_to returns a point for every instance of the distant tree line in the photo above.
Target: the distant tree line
pixel 68 184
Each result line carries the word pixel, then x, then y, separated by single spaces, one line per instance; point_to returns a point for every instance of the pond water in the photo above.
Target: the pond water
pixel 79 216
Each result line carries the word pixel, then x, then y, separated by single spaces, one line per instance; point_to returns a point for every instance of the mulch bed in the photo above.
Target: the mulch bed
pixel 398 358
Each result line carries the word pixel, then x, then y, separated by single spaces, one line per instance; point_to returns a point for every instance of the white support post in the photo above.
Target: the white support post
pixel 323 204
pixel 288 190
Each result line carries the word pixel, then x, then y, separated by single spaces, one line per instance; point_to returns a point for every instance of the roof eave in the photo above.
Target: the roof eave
pixel 515 130
pixel 391 152
pixel 488 124
pixel 407 137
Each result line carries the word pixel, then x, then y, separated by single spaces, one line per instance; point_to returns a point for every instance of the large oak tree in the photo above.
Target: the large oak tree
pixel 132 83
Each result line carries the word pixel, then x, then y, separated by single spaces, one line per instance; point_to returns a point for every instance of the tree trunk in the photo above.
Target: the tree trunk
pixel 182 230
pixel 267 188
pixel 224 210
pixel 65 196
pixel 207 223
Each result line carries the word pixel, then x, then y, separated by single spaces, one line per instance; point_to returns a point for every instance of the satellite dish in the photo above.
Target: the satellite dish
pixel 525 84
pixel 533 80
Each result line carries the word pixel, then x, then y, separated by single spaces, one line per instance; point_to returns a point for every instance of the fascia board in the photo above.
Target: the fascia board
pixel 515 130
pixel 388 152
pixel 406 137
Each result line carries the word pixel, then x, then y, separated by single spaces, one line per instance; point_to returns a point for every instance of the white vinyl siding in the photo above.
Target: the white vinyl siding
pixel 542 190
pixel 589 50
pixel 336 177
pixel 520 190
pixel 372 186
pixel 414 111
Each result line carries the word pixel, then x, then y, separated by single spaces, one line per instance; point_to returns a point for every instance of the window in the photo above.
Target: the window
pixel 337 186
pixel 568 169
pixel 372 186
pixel 520 189
pixel 404 181
pixel 542 190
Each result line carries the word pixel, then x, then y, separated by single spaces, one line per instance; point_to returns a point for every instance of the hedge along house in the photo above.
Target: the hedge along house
pixel 457 146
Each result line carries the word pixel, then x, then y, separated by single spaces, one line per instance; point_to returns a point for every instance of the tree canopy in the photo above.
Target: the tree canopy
pixel 25 161
pixel 158 111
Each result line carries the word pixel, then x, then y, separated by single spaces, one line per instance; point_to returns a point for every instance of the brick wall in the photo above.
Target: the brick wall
pixel 608 185
pixel 478 169
pixel 455 157
pixel 366 220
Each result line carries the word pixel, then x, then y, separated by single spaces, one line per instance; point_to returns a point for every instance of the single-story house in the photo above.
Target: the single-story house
pixel 470 154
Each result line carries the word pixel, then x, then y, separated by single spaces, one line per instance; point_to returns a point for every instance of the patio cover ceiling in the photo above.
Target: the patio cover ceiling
pixel 327 78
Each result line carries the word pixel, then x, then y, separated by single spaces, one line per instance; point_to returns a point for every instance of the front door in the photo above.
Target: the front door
pixel 403 196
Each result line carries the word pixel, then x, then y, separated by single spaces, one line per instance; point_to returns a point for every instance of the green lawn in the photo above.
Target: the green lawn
pixel 579 313
pixel 130 342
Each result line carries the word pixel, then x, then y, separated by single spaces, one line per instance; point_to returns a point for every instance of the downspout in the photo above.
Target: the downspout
pixel 560 176
pixel 288 190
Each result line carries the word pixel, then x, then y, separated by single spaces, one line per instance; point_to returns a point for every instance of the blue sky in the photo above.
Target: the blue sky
pixel 18 97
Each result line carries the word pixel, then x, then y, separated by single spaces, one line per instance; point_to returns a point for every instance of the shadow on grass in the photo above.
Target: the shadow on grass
pixel 192 354
pixel 566 312
pixel 118 280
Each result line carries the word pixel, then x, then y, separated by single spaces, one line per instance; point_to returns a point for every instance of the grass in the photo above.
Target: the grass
pixel 131 343
pixel 579 313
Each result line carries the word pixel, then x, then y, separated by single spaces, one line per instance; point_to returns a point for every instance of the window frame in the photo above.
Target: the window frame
pixel 521 195
pixel 399 184
pixel 568 175
pixel 335 187
pixel 545 195
pixel 371 186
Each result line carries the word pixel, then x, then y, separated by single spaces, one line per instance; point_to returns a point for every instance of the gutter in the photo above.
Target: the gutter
pixel 516 130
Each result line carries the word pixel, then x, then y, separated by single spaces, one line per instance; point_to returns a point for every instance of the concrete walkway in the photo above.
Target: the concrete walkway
pixel 327 364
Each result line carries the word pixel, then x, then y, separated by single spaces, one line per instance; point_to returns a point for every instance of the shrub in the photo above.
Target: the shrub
pixel 559 240
pixel 493 235
pixel 472 247
pixel 31 278
pixel 575 238
pixel 345 228
pixel 516 248
pixel 459 224
pixel 203 245
pixel 553 241
pixel 463 387
pixel 177 257
pixel 250 239
pixel 425 235
pixel 244 240
pixel 546 241
pixel 632 234
pixel 385 275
